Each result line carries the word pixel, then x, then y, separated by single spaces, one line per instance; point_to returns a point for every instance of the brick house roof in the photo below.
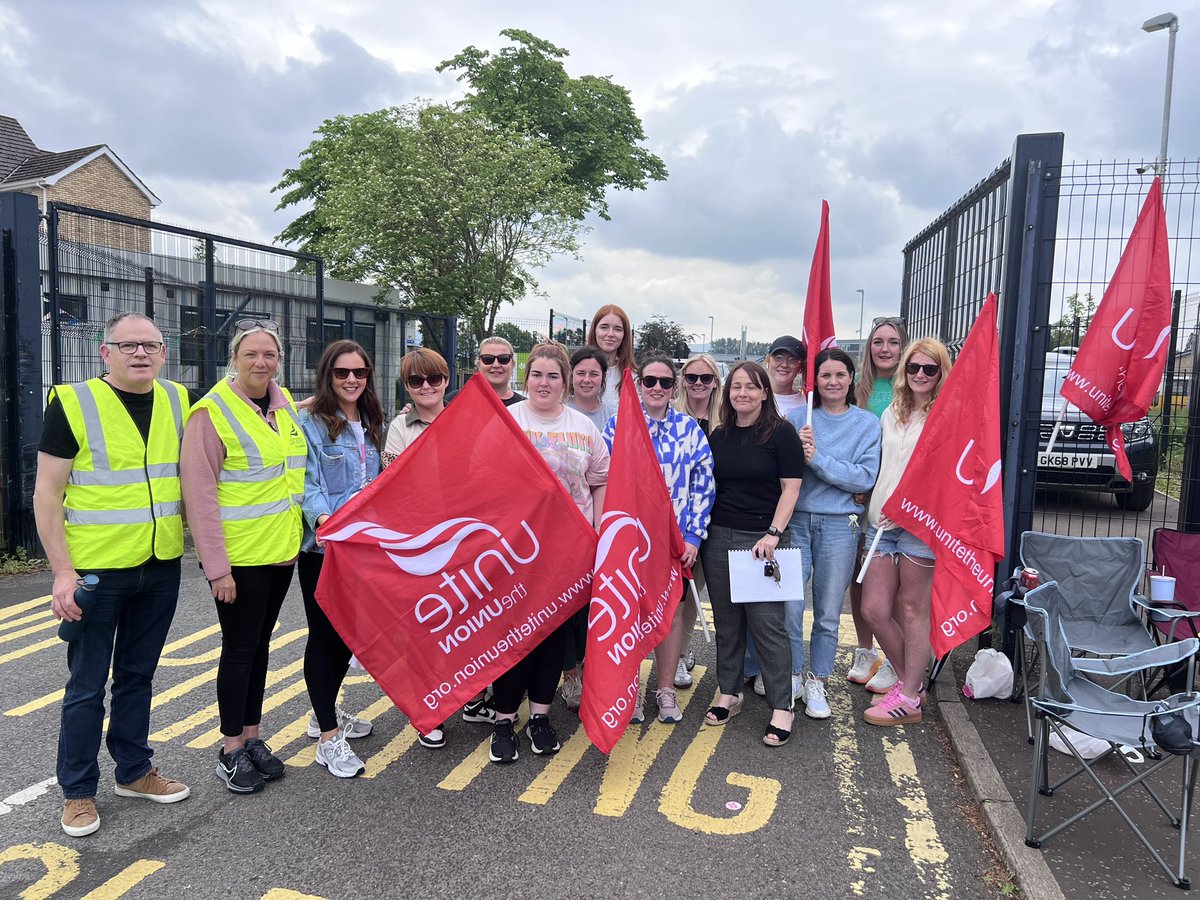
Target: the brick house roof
pixel 22 162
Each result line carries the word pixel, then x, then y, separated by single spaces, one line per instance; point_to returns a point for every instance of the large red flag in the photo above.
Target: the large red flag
pixel 950 494
pixel 637 581
pixel 818 331
pixel 456 561
pixel 1120 363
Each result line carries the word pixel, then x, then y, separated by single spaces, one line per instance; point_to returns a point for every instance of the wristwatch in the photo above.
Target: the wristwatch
pixel 774 532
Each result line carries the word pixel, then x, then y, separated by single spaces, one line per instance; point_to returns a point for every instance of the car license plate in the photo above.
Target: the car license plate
pixel 1069 460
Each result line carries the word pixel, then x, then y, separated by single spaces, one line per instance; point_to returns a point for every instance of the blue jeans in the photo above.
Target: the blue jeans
pixel 127 625
pixel 833 540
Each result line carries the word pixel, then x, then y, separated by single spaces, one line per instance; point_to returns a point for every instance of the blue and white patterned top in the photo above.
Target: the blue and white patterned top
pixel 687 467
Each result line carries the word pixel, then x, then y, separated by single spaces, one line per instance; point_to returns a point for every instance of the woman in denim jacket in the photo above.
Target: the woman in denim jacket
pixel 344 429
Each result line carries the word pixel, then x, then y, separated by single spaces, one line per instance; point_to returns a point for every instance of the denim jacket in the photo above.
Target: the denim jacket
pixel 334 473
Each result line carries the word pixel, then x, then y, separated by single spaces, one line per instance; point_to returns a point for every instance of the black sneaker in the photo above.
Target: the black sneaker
pixel 238 772
pixel 504 743
pixel 479 711
pixel 267 763
pixel 542 738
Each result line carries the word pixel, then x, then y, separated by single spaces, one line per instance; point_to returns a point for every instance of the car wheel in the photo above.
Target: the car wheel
pixel 1139 499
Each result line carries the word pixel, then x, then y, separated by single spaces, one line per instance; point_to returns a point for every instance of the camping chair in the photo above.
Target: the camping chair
pixel 1097 606
pixel 1175 553
pixel 1067 703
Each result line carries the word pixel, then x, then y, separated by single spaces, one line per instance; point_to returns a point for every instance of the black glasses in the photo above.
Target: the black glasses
pixel 693 377
pixel 490 358
pixel 656 380
pixel 930 369
pixel 130 347
pixel 434 379
pixel 887 320
pixel 342 374
pixel 251 324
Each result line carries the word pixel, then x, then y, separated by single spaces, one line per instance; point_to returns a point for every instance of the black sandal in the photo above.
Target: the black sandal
pixel 722 714
pixel 780 736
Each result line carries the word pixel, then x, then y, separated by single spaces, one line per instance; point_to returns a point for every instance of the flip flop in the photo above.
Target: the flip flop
pixel 721 715
pixel 776 737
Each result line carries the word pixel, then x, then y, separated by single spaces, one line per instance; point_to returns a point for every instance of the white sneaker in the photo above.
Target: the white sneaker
pixel 881 682
pixel 683 678
pixel 816 706
pixel 759 687
pixel 797 686
pixel 352 725
pixel 867 661
pixel 336 756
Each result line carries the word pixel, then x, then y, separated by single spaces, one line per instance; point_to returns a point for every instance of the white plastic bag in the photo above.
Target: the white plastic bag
pixel 990 675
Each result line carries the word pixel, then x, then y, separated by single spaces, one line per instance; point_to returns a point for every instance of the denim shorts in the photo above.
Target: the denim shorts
pixel 897 540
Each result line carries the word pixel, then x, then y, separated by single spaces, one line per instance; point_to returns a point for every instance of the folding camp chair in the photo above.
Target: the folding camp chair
pixel 1068 703
pixel 1175 553
pixel 1097 580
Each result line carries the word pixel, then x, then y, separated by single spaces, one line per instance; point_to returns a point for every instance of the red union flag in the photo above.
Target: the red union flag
pixel 637 580
pixel 456 561
pixel 818 331
pixel 950 495
pixel 1117 371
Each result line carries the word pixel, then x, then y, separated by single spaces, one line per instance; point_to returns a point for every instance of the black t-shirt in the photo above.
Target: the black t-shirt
pixel 747 474
pixel 58 440
pixel 511 401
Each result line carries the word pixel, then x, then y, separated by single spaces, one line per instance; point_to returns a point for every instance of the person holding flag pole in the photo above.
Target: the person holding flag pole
pixel 819 333
pixel 687 467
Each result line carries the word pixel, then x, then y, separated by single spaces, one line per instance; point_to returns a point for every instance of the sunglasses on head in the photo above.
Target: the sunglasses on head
pixel 887 320
pixel 342 374
pixel 251 324
pixel 490 358
pixel 930 369
pixel 693 377
pixel 656 380
pixel 433 379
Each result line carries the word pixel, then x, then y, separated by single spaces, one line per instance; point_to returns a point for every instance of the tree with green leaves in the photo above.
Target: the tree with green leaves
pixel 589 121
pixel 522 340
pixel 448 209
pixel 1069 330
pixel 659 334
pixel 727 345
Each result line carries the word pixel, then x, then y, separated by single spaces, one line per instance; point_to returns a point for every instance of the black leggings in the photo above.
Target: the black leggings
pixel 538 673
pixel 246 625
pixel 326 654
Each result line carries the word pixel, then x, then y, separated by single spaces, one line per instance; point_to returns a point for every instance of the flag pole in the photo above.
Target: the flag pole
pixel 870 553
pixel 810 407
pixel 1062 415
pixel 699 611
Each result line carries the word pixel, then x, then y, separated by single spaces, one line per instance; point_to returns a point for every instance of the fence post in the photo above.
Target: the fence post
pixel 1189 489
pixel 208 315
pixel 21 371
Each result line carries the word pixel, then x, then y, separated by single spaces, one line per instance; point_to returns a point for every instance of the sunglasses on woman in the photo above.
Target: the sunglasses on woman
pixel 887 320
pixel 930 369
pixel 656 380
pixel 252 324
pixel 342 374
pixel 693 377
pixel 434 379
pixel 491 358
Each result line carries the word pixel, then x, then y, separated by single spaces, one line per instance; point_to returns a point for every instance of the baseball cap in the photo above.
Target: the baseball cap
pixel 787 344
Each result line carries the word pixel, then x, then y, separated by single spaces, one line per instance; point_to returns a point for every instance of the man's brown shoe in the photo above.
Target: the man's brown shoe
pixel 80 817
pixel 153 786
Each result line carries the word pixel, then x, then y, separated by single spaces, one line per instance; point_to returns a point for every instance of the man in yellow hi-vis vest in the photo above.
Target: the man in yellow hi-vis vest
pixel 107 502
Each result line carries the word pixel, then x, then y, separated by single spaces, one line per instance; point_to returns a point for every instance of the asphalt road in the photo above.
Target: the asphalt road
pixel 843 810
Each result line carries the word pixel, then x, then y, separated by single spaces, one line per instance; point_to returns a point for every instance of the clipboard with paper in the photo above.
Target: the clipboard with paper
pixel 749 582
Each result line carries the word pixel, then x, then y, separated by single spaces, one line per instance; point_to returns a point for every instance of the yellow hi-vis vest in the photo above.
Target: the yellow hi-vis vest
pixel 122 502
pixel 261 485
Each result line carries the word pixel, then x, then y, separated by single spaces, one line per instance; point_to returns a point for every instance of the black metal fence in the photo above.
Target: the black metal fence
pixel 523 332
pixel 1046 237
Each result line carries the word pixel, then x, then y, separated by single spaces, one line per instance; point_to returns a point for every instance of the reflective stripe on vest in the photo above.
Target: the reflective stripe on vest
pixel 122 502
pixel 261 484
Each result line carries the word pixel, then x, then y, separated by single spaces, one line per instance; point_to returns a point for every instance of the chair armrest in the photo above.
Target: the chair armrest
pixel 1161 610
pixel 1057 708
pixel 1156 657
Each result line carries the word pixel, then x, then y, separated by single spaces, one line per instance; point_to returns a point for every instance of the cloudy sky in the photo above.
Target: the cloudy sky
pixel 889 110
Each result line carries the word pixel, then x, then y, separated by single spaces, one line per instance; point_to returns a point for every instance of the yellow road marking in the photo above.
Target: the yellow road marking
pixel 391 751
pixel 25 620
pixel 165 659
pixel 31 649
pixel 857 858
pixel 121 883
pixel 299 728
pixel 675 802
pixel 477 760
pixel 921 840
pixel 62 867
pixel 18 608
pixel 32 629
pixel 213 736
pixel 287 894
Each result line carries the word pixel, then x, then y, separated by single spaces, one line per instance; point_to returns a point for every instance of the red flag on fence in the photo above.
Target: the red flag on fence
pixel 1120 363
pixel 818 331
pixel 456 561
pixel 950 494
pixel 637 582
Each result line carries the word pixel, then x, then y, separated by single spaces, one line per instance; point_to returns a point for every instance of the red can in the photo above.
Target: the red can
pixel 1030 578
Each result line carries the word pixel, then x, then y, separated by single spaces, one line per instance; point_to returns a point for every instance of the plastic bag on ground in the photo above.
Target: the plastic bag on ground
pixel 990 675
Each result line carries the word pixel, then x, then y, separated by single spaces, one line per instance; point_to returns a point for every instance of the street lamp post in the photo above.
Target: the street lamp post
pixel 862 305
pixel 1168 21
pixel 710 333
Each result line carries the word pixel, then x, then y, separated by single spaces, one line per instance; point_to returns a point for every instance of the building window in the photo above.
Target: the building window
pixel 191 336
pixel 72 308
pixel 317 339
pixel 364 333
